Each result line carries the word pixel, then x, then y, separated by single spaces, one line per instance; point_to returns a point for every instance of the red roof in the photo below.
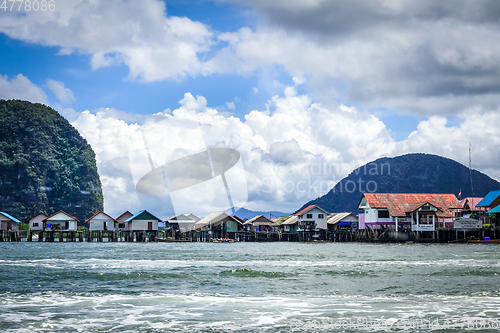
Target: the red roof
pixel 74 218
pixel 237 218
pixel 308 208
pixel 471 202
pixel 104 214
pixel 399 204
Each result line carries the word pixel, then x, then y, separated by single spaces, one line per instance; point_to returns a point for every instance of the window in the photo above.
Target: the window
pixel 35 224
pixel 309 216
pixel 383 214
pixel 121 225
pixel 321 216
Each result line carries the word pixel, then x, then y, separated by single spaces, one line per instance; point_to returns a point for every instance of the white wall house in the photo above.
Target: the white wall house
pixel 36 222
pixel 312 217
pixel 101 222
pixel 418 211
pixel 183 222
pixel 61 221
pixel 8 222
pixel 122 226
pixel 143 221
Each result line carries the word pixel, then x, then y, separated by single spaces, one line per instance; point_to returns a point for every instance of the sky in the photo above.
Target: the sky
pixel 304 91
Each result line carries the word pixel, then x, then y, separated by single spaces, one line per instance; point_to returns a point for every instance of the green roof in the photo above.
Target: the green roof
pixel 283 219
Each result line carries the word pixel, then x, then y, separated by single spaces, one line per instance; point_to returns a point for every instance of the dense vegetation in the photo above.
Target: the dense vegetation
pixel 411 173
pixel 45 165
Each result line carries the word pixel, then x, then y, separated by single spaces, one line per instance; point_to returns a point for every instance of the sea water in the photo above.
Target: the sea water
pixel 248 287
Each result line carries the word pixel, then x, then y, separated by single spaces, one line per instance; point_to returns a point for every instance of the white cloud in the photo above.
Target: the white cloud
pixel 418 56
pixel 138 34
pixel 63 94
pixel 280 147
pixel 292 152
pixel 437 137
pixel 20 87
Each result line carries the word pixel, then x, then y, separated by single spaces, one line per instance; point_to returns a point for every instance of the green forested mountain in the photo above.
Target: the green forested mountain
pixel 45 165
pixel 411 173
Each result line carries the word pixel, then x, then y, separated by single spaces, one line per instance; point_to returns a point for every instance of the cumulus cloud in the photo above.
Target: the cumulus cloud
pixel 436 136
pixel 20 87
pixel 63 94
pixel 137 34
pixel 292 151
pixel 419 57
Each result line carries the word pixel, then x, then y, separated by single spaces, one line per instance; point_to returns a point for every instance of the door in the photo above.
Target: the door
pixel 150 225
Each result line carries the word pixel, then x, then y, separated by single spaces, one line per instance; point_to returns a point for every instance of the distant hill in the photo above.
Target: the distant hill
pixel 45 165
pixel 411 173
pixel 246 214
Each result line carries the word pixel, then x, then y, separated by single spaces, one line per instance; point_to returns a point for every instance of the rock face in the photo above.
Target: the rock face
pixel 45 165
pixel 411 173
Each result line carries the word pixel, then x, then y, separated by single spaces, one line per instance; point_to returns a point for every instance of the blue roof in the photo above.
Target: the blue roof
pixel 488 199
pixel 494 210
pixel 140 213
pixel 10 217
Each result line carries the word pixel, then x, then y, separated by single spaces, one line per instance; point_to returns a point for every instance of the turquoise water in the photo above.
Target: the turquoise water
pixel 249 287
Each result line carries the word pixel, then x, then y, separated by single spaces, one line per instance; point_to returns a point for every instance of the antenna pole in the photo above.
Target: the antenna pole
pixel 470 169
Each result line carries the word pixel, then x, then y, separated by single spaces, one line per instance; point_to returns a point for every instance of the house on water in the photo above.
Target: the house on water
pixel 260 223
pixel 491 200
pixel 122 218
pixel 218 225
pixel 36 222
pixel 468 208
pixel 8 222
pixel 491 203
pixel 142 221
pixel 415 211
pixel 102 222
pixel 60 221
pixel 347 222
pixel 312 218
pixel 182 222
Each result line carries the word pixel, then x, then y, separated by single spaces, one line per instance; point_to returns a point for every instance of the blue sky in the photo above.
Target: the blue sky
pixel 286 83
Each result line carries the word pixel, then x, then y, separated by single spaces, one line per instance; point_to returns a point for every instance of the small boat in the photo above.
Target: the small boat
pixel 172 240
pixel 482 241
pixel 222 240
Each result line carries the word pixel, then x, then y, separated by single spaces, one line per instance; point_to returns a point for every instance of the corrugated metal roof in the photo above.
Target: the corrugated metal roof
pixel 494 210
pixel 265 222
pixel 291 220
pixel 489 198
pixel 213 218
pixel 398 204
pixel 282 219
pixel 127 212
pixel 471 202
pixel 74 218
pixel 308 208
pixel 194 217
pixel 140 213
pixel 98 214
pixel 239 219
pixel 10 217
pixel 336 217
